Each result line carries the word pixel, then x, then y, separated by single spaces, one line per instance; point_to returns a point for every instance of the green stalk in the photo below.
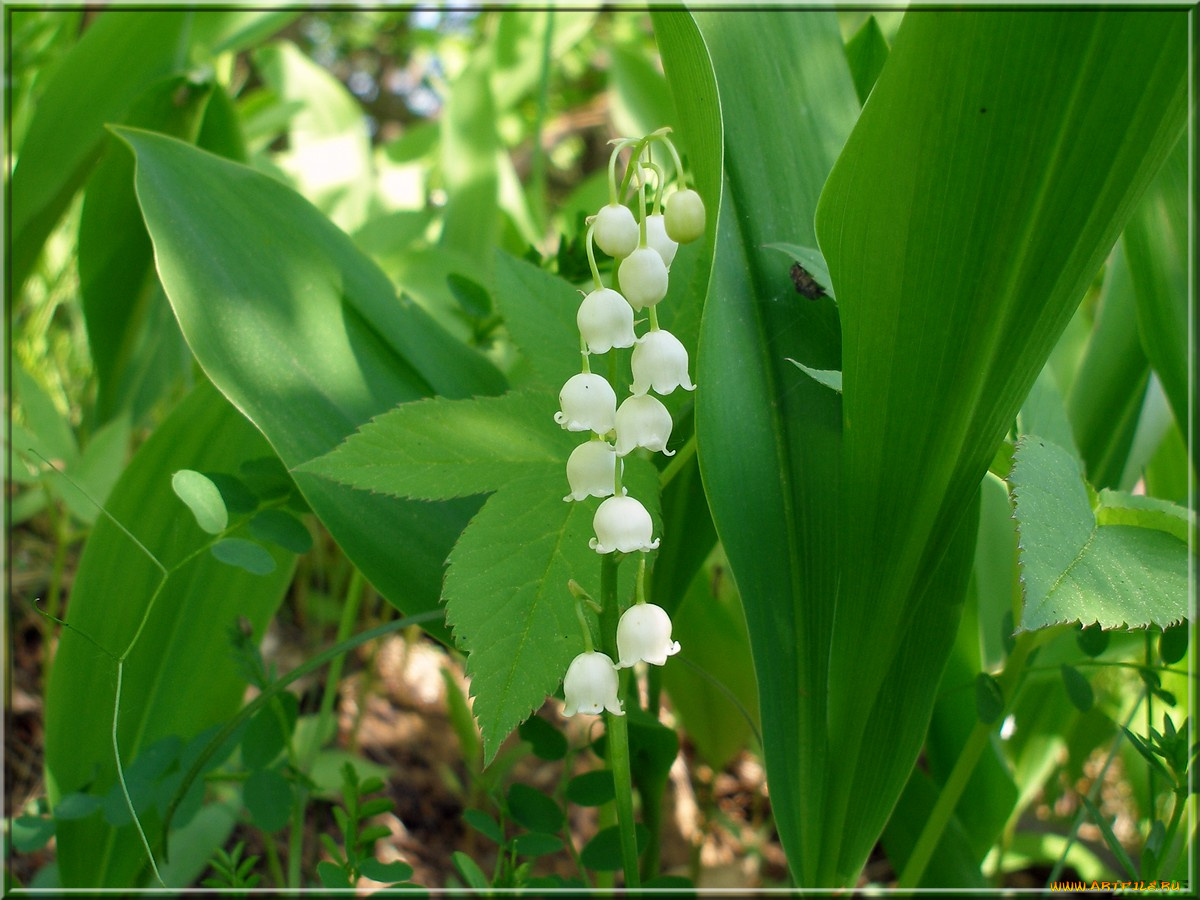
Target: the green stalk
pixel 618 727
pixel 964 768
pixel 537 165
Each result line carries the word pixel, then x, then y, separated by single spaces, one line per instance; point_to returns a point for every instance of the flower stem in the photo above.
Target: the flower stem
pixel 591 254
pixel 618 729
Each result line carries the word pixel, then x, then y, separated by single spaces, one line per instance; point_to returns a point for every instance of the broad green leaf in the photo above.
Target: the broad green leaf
pixel 202 498
pixel 955 235
pixel 439 449
pixel 180 678
pixel 641 101
pixel 268 799
pixel 1157 250
pixel 1075 569
pixel 137 352
pixel 771 497
pixel 96 82
pixel 954 863
pixel 307 337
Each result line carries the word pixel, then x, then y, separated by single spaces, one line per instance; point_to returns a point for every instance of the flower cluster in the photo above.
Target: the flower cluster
pixel 643 246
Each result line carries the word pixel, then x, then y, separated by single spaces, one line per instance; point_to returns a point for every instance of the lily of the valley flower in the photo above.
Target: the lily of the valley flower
pixel 587 403
pixel 644 634
pixel 616 230
pixel 590 685
pixel 591 470
pixel 605 320
pixel 660 361
pixel 643 276
pixel 657 240
pixel 622 523
pixel 684 216
pixel 642 421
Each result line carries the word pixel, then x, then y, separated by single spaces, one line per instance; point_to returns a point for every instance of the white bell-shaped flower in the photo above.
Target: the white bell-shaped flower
pixel 590 685
pixel 684 216
pixel 587 403
pixel 657 240
pixel 591 470
pixel 660 361
pixel 643 421
pixel 622 523
pixel 605 320
pixel 643 276
pixel 615 230
pixel 644 635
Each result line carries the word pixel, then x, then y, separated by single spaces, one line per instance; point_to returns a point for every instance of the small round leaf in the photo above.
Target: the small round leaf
pixel 281 528
pixel 1172 643
pixel 533 809
pixel 591 788
pixel 548 742
pixel 1092 641
pixel 1079 691
pixel 989 698
pixel 268 799
pixel 603 852
pixel 537 843
pixel 202 498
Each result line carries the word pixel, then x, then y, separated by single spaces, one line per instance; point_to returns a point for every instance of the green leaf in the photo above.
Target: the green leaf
pixel 1172 643
pixel 508 603
pixel 439 449
pixel 537 844
pixel 812 261
pixel 989 698
pixel 959 246
pixel 1157 250
pixel 546 741
pixel 244 554
pixel 866 52
pixel 1109 388
pixel 307 337
pixel 534 810
pixel 1074 568
pixel 31 833
pixel 591 788
pixel 603 852
pixel 328 157
pixel 831 379
pixel 282 528
pixel 333 876
pixel 180 678
pixel 1092 641
pixel 268 799
pixel 484 824
pixel 1120 508
pixel 386 872
pixel 202 498
pixel 269 731
pixel 1079 689
pixel 96 82
pixel 769 496
pixel 470 871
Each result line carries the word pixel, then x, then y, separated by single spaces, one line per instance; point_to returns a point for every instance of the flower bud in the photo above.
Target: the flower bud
pixel 644 634
pixel 590 685
pixel 642 421
pixel 660 361
pixel 615 230
pixel 622 523
pixel 605 320
pixel 684 216
pixel 657 240
pixel 643 277
pixel 588 403
pixel 591 470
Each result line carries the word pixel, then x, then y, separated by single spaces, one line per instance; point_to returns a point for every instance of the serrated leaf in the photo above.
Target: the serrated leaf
pixel 441 449
pixel 1074 568
pixel 507 599
pixel 202 498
